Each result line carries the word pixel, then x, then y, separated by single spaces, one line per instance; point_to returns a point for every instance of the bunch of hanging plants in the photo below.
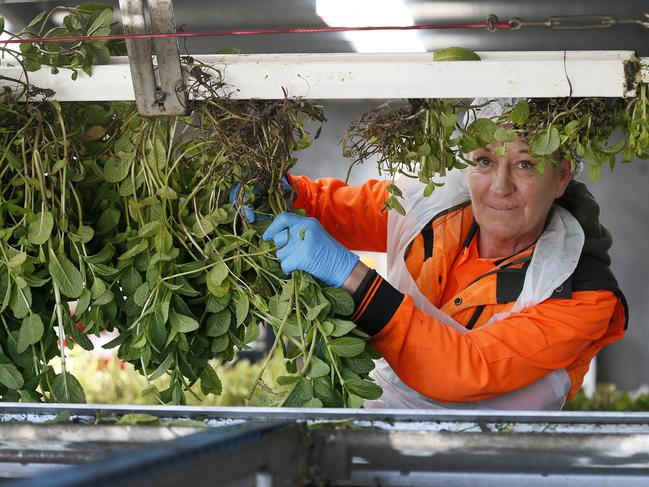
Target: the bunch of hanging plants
pixel 427 138
pixel 127 221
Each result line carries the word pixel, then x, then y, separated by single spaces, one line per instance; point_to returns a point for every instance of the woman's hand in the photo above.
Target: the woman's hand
pixel 247 209
pixel 304 245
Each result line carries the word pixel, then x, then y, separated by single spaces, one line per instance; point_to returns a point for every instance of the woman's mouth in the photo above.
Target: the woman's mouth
pixel 502 208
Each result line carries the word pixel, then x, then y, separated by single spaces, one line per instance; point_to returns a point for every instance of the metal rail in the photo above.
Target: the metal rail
pixel 378 76
pixel 246 454
pixel 13 411
pixel 261 446
pixel 375 457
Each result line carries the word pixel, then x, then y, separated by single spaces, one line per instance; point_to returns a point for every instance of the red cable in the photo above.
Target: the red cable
pixel 299 30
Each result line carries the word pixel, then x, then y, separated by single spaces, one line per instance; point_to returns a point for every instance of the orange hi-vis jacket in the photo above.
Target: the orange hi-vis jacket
pixel 563 332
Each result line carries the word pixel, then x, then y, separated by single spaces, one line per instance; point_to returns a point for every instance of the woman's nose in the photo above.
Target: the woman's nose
pixel 503 184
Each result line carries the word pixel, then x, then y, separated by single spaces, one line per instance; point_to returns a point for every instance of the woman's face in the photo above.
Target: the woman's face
pixel 511 198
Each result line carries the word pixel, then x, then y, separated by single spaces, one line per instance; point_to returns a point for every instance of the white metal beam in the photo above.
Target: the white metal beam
pixel 354 75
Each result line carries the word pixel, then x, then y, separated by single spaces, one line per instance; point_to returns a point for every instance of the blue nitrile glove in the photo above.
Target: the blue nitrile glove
pixel 305 246
pixel 247 209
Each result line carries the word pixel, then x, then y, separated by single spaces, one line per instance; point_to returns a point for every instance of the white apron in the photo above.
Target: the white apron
pixel 555 258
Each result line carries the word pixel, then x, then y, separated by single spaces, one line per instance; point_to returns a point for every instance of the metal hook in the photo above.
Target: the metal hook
pixel 491 21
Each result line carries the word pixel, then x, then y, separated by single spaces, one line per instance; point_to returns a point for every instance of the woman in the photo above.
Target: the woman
pixel 500 291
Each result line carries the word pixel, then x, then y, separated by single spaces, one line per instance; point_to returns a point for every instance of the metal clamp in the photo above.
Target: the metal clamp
pixel 578 22
pixel 159 89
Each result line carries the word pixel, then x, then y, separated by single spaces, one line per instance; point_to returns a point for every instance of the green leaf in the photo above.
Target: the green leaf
pixel 98 288
pixel 312 312
pixel 66 388
pixel 40 228
pixel 141 294
pixel 210 382
pixel 134 419
pixel 104 19
pixel 393 203
pixel 394 189
pixel 572 128
pixel 61 418
pixel 287 380
pixel 304 389
pixel 355 402
pixel 594 171
pixel 182 323
pixel 31 331
pixel 203 227
pixel 149 230
pixel 104 299
pixel 364 388
pixel 428 190
pixel 10 377
pixel 65 275
pixel 317 368
pixel 323 390
pixel 5 291
pixel 141 246
pixel 342 327
pixel 242 307
pixel 80 337
pixel 520 113
pixel 613 149
pixel 293 399
pixel 130 279
pixel 422 151
pixel 327 328
pixel 449 119
pixel 82 303
pixel 116 169
pixel 167 192
pixel 503 134
pixel 220 344
pixel 347 346
pixel 341 301
pixel 545 142
pixel 86 233
pixel 215 278
pixel 455 54
pixel 219 323
pixel 102 257
pixel 36 20
pixel 17 260
pixel 156 329
pixel 108 221
pixel 162 368
pixel 252 333
pixel 484 129
pixel 20 302
pixel 359 365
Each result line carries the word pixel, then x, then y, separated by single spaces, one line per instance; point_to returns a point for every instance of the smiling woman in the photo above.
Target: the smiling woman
pixel 500 291
pixel 511 196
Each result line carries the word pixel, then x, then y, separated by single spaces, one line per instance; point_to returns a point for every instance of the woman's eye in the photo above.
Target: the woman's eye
pixel 526 164
pixel 483 162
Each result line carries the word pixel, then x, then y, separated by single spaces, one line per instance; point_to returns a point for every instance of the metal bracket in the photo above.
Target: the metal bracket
pixel 159 89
